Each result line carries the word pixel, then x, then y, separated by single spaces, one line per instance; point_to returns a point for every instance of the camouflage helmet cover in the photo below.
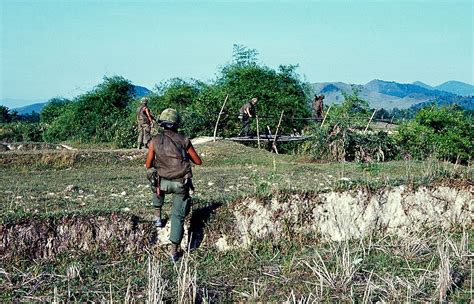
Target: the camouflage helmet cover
pixel 170 116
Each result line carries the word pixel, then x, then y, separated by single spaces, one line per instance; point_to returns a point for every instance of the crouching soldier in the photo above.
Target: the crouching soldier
pixel 169 170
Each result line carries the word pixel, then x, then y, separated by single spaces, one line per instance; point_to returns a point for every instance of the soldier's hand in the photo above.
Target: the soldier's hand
pixel 150 172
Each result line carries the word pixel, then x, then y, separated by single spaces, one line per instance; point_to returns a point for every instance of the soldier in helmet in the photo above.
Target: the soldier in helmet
pixel 169 169
pixel 245 113
pixel 145 123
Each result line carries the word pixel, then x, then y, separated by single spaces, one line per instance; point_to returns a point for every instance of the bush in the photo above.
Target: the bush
pixel 53 109
pixel 96 116
pixel 21 132
pixel 336 143
pixel 445 133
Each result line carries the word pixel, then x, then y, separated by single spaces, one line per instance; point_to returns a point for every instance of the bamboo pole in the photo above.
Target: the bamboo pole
pixel 370 120
pixel 258 132
pixel 219 117
pixel 276 133
pixel 327 113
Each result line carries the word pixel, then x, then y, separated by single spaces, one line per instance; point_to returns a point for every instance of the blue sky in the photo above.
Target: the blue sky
pixel 64 48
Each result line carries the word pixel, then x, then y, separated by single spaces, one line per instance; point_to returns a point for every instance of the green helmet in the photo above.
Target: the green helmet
pixel 144 100
pixel 170 116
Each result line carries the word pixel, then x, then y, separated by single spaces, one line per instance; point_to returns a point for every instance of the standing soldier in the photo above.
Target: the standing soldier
pixel 245 113
pixel 145 123
pixel 169 170
pixel 318 106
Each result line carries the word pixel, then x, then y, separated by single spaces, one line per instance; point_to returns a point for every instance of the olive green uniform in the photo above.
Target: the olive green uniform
pixel 245 119
pixel 144 127
pixel 174 168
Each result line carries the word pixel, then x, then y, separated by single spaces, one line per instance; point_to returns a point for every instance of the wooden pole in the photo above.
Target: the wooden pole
pixel 276 133
pixel 327 113
pixel 370 120
pixel 219 117
pixel 258 132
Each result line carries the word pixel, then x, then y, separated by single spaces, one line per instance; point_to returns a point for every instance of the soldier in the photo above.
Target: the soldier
pixel 245 113
pixel 169 169
pixel 145 123
pixel 318 106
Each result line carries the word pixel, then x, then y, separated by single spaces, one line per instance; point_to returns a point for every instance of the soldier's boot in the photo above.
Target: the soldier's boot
pixel 175 253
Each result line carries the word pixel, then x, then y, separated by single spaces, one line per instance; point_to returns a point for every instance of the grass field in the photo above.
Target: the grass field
pixel 50 185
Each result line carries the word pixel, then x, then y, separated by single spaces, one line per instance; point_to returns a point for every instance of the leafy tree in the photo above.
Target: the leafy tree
pixel 446 133
pixel 94 116
pixel 242 79
pixel 175 93
pixel 354 112
pixel 277 90
pixel 243 56
pixel 382 114
pixel 4 114
pixel 53 109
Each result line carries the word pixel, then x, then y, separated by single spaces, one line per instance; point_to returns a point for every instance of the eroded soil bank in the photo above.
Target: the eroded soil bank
pixel 332 216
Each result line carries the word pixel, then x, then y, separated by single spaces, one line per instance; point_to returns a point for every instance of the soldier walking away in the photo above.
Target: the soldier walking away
pixel 318 106
pixel 245 113
pixel 145 123
pixel 169 170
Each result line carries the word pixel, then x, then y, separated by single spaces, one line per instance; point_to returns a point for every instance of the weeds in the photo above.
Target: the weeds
pixel 300 267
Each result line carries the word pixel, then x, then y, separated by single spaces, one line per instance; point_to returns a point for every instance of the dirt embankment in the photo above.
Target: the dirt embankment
pixel 333 216
pixel 339 216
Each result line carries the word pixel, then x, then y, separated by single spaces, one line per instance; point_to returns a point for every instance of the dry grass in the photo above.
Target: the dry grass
pixel 423 266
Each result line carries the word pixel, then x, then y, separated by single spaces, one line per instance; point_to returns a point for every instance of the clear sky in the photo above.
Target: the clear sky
pixel 64 48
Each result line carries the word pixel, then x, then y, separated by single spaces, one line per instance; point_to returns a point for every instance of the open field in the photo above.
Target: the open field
pixel 65 181
pixel 75 227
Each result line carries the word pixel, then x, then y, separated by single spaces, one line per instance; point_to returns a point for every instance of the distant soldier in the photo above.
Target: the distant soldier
pixel 318 106
pixel 145 123
pixel 169 170
pixel 245 113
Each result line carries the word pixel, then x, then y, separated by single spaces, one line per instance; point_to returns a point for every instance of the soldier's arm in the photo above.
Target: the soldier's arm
pixel 193 155
pixel 148 114
pixel 151 156
pixel 247 111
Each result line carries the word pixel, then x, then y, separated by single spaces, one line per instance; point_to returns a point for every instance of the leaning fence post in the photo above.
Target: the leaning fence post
pixel 276 133
pixel 370 120
pixel 327 113
pixel 219 117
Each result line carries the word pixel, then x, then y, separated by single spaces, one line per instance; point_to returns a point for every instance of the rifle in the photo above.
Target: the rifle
pixel 154 179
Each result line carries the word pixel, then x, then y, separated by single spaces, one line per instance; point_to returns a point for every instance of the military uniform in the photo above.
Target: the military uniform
pixel 144 126
pixel 318 106
pixel 173 168
pixel 244 118
pixel 169 169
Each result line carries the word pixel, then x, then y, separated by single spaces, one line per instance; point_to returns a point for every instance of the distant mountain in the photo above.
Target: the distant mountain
pixel 387 94
pixel 36 107
pixel 466 102
pixel 138 92
pixel 457 87
pixel 423 85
